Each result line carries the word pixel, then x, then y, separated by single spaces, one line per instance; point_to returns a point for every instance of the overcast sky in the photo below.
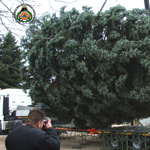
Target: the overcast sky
pixel 50 6
pixel 95 4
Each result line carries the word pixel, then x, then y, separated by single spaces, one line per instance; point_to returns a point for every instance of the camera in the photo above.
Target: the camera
pixel 45 120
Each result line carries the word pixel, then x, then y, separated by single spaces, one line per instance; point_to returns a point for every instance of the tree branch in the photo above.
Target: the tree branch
pixel 7 27
pixel 65 1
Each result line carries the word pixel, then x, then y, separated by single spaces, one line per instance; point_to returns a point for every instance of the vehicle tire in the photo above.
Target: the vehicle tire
pixel 138 143
pixel 115 141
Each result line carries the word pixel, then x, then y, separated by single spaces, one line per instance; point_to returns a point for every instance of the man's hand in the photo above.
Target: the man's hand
pixel 48 124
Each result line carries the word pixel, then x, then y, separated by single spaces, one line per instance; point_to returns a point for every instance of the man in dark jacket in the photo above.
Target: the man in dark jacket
pixel 31 136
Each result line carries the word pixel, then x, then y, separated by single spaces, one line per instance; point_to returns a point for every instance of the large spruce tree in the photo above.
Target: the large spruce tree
pixel 10 62
pixel 94 68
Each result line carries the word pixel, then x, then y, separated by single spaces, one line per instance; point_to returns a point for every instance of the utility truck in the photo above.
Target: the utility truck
pixel 14 108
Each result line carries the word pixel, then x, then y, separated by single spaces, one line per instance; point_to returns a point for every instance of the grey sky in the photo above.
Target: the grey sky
pixel 45 6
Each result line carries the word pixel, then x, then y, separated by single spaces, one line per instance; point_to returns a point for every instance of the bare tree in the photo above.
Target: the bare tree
pixel 7 8
pixel 7 20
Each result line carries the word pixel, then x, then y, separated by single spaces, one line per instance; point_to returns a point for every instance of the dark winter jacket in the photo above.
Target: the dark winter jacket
pixel 30 138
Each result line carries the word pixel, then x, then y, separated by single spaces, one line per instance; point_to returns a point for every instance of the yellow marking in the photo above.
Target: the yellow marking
pixel 120 133
pixel 145 134
pixel 106 132
pixel 99 132
pixel 129 133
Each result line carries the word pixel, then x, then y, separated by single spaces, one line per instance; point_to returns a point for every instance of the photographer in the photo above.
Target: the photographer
pixel 31 136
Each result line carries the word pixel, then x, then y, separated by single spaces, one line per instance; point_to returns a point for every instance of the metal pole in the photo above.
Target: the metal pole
pixel 103 5
pixel 146 2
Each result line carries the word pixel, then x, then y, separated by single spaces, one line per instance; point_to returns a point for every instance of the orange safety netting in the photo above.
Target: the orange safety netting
pixel 91 131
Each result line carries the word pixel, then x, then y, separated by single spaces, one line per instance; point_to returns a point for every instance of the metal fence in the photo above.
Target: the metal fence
pixel 123 141
pixel 106 140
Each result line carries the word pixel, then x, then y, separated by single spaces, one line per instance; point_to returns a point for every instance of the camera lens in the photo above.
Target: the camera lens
pixel 45 120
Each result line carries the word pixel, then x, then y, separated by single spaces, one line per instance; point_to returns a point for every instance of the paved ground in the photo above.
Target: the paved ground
pixel 70 142
pixel 2 141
